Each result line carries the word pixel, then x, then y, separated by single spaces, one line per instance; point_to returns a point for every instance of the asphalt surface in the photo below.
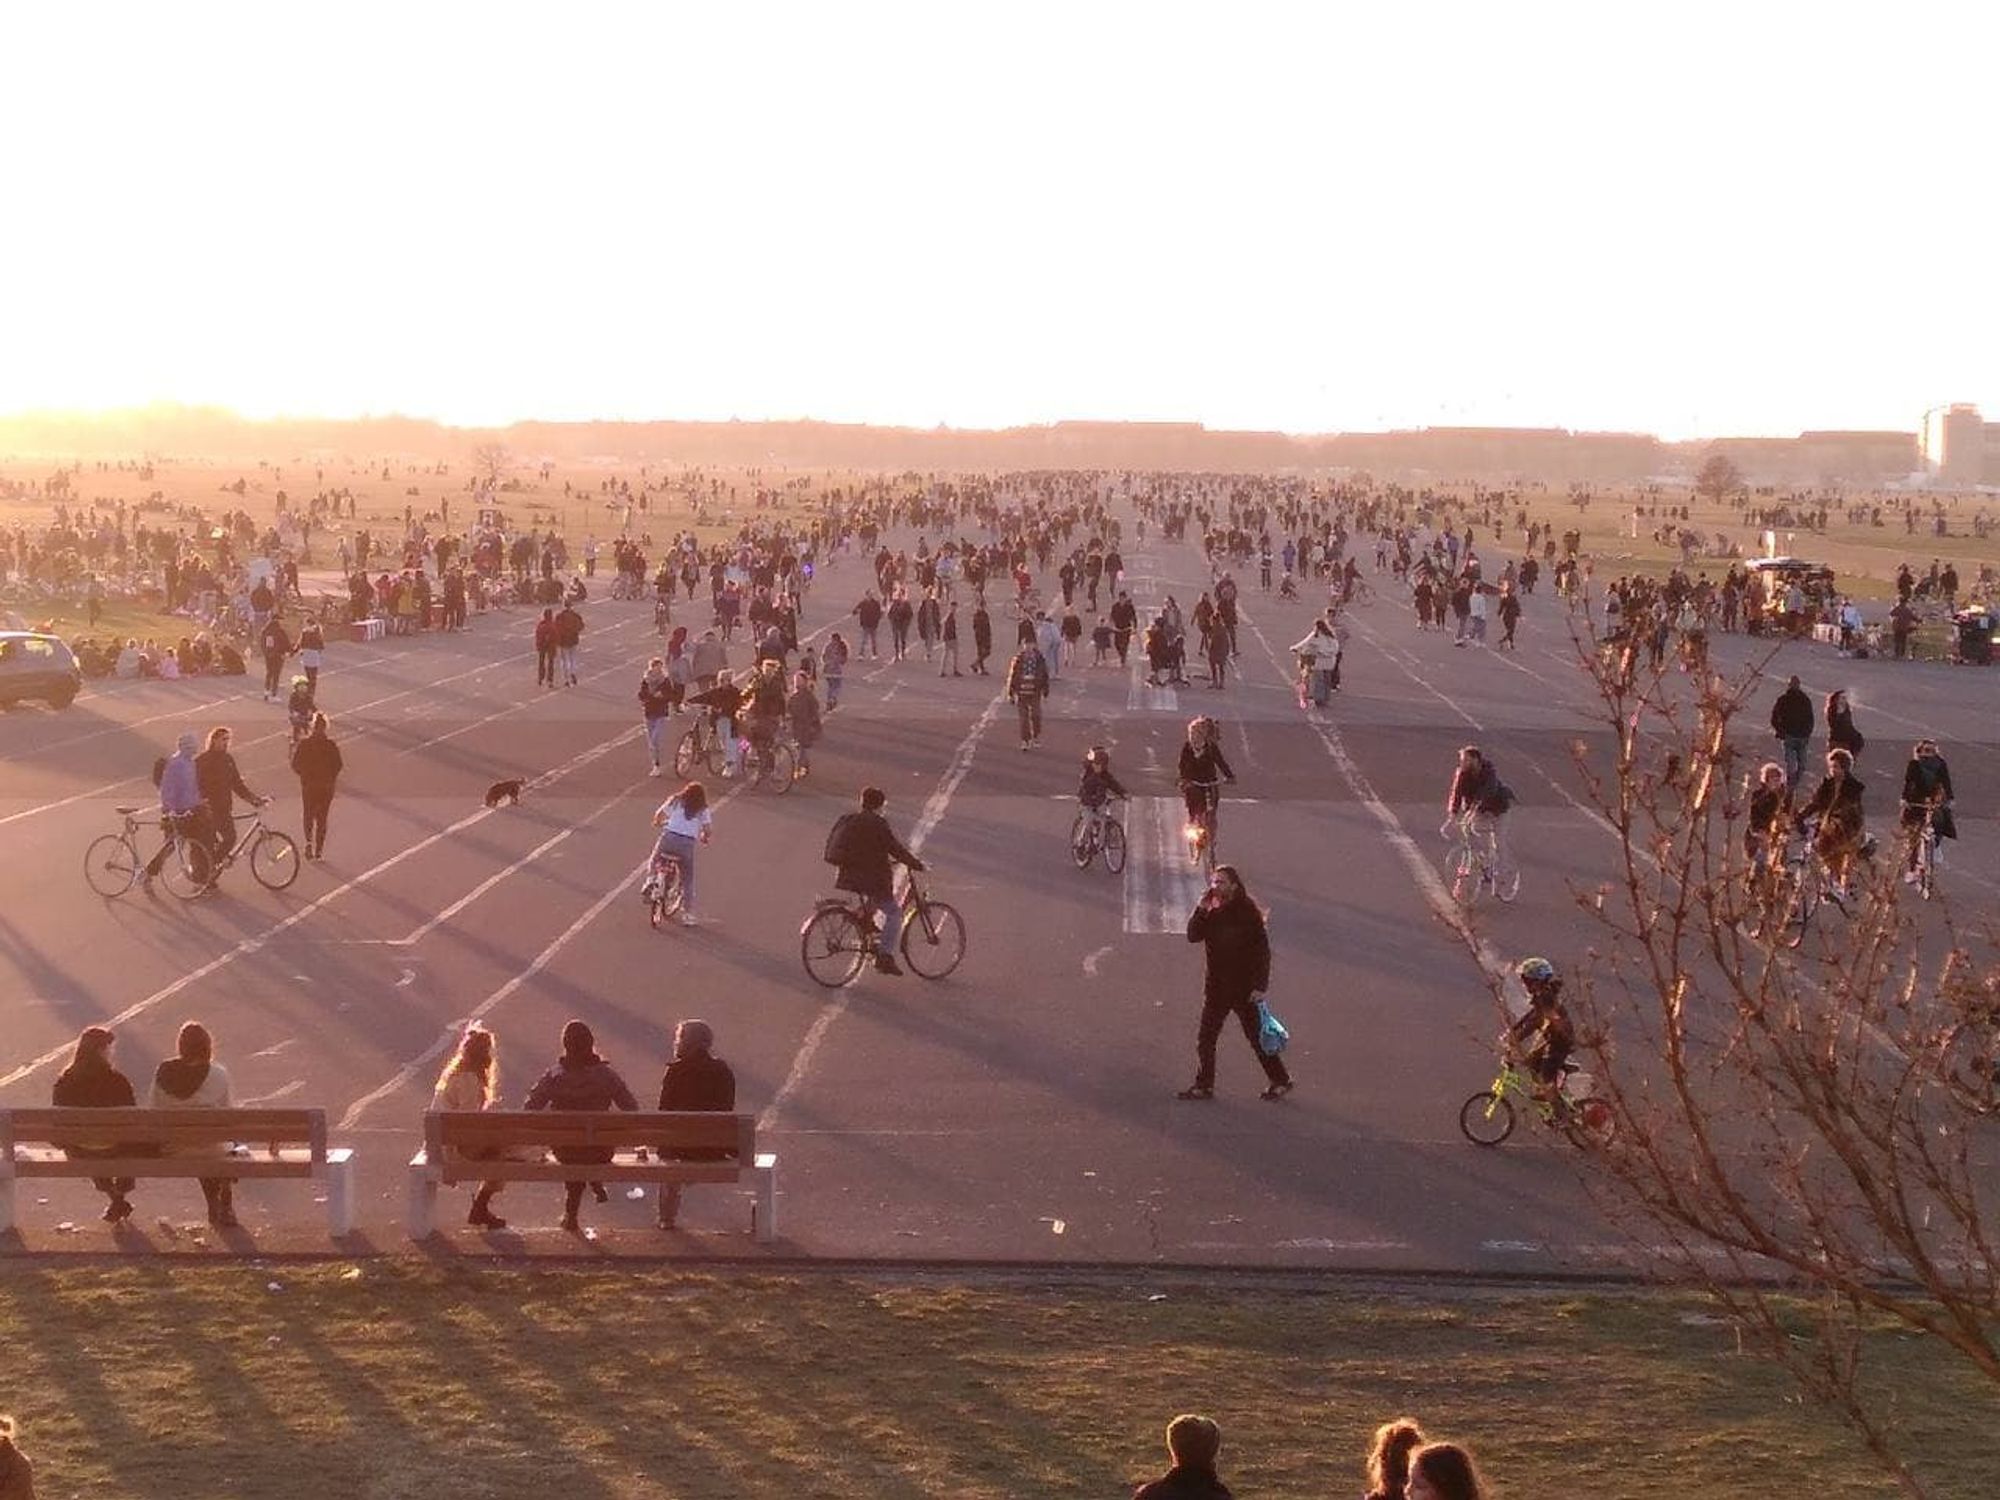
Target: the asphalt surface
pixel 1022 1109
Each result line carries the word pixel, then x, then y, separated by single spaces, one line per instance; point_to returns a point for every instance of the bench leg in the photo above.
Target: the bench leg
pixel 6 1203
pixel 423 1202
pixel 764 1212
pixel 340 1197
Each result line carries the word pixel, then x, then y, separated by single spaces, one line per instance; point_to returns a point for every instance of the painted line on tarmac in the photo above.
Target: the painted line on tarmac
pixel 834 1009
pixel 1419 866
pixel 257 942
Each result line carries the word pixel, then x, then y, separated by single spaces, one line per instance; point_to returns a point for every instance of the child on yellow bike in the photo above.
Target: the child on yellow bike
pixel 1543 1038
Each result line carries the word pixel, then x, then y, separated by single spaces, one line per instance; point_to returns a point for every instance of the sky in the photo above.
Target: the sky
pixel 1696 220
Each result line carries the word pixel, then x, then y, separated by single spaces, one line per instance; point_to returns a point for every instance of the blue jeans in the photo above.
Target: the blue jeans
pixel 679 848
pixel 656 732
pixel 892 920
pixel 1795 756
pixel 833 681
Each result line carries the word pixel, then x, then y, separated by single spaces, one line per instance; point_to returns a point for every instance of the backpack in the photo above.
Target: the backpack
pixel 837 840
pixel 1500 800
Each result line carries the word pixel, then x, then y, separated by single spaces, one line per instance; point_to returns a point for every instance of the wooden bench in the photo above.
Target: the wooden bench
pixel 277 1143
pixel 464 1146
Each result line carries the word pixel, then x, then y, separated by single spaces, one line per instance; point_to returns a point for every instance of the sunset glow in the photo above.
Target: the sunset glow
pixel 1696 220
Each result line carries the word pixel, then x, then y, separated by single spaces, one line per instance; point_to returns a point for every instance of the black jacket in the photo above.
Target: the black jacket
pixel 1182 1483
pixel 1841 733
pixel 1238 962
pixel 316 761
pixel 866 849
pixel 1792 715
pixel 93 1085
pixel 699 1081
pixel 216 774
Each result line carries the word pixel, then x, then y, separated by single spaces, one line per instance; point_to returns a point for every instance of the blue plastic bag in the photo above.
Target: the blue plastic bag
pixel 1271 1034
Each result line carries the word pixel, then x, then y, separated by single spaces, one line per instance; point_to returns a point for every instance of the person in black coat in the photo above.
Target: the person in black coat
pixel 91 1082
pixel 863 847
pixel 1840 731
pixel 1192 1445
pixel 1792 723
pixel 1237 968
pixel 696 1080
pixel 221 783
pixel 316 762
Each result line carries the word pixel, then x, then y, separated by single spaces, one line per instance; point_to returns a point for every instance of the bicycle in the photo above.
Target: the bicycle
pixel 773 766
pixel 1472 859
pixel 1203 831
pixel 839 938
pixel 112 864
pixel 701 746
pixel 1488 1117
pixel 274 856
pixel 662 891
pixel 1929 849
pixel 1096 830
pixel 1804 884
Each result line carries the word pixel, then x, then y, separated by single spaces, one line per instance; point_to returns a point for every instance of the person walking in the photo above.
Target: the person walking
pixel 1027 686
pixel 656 702
pixel 1840 731
pixel 277 645
pixel 982 637
pixel 696 1081
pixel 802 713
pixel 948 640
pixel 580 1080
pixel 193 1079
pixel 545 649
pixel 221 784
pixel 1792 723
pixel 312 651
pixel 471 1082
pixel 316 762
pixel 569 633
pixel 1236 972
pixel 833 664
pixel 91 1082
pixel 180 802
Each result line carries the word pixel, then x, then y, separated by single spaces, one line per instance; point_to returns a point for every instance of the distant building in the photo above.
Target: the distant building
pixel 1961 447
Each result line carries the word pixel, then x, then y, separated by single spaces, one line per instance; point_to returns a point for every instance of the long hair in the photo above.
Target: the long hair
pixel 194 1044
pixel 1389 1458
pixel 479 1054
pixel 215 736
pixel 1449 1471
pixel 693 799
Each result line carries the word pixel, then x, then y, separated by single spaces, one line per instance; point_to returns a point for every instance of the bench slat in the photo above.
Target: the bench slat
pixel 287 1126
pixel 450 1131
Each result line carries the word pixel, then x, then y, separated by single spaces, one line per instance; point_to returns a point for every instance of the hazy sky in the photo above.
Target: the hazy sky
pixel 1690 219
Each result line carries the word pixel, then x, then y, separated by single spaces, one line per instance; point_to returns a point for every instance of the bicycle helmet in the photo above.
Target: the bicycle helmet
pixel 1534 971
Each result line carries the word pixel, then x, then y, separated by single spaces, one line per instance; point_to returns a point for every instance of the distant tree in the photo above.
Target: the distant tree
pixel 491 460
pixel 1718 478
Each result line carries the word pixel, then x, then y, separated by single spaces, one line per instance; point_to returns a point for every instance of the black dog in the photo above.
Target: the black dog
pixel 505 791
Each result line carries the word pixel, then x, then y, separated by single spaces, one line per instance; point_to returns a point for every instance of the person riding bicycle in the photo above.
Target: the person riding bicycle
pixel 1098 785
pixel 1203 768
pixel 1478 802
pixel 1927 796
pixel 299 708
pixel 1769 814
pixel 862 846
pixel 1544 1036
pixel 723 702
pixel 1836 803
pixel 764 712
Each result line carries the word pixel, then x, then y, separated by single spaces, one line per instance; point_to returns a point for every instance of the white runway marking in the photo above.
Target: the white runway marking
pixel 274 1096
pixel 1161 884
pixel 933 814
pixel 1092 960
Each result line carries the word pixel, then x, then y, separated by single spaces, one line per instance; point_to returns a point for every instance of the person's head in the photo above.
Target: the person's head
pixel 1539 978
pixel 1227 882
pixel 218 738
pixel 1839 763
pixel 1771 775
pixel 1201 731
pixel 1193 1441
pixel 1792 686
pixel 1444 1471
pixel 579 1042
pixel 656 667
pixel 693 1039
pixel 186 743
pixel 1470 757
pixel 477 1054
pixel 1389 1456
pixel 1097 757
pixel 693 799
pixel 873 798
pixel 1925 750
pixel 1836 700
pixel 194 1044
pixel 93 1047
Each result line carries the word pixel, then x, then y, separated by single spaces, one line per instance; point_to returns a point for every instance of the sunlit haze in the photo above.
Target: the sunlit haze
pixel 1691 220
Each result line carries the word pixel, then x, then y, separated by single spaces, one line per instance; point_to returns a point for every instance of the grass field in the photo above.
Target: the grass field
pixel 398 1381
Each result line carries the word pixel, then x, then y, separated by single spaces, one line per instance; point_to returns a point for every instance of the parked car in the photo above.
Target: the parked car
pixel 37 666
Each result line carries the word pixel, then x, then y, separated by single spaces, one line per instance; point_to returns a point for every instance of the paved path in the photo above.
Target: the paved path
pixel 1022 1109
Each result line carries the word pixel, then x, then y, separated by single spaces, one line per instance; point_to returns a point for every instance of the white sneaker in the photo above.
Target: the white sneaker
pixel 1909 877
pixel 656 769
pixel 689 919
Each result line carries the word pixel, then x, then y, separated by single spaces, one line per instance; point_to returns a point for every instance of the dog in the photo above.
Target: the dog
pixel 508 792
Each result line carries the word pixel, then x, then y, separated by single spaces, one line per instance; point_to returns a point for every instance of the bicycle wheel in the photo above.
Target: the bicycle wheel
pixel 1467 880
pixel 1113 839
pixel 780 768
pixel 833 947
pixel 933 939
pixel 111 865
pixel 274 860
pixel 1486 1119
pixel 687 753
pixel 716 756
pixel 667 894
pixel 1590 1122
pixel 1804 900
pixel 1082 842
pixel 186 871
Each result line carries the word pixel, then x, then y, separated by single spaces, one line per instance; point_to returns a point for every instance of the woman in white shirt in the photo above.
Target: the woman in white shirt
pixel 683 821
pixel 471 1081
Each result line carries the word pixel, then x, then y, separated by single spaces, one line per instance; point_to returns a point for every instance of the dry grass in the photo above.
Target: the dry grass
pixel 387 1381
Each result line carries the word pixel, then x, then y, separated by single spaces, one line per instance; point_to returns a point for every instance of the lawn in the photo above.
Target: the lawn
pixel 389 1380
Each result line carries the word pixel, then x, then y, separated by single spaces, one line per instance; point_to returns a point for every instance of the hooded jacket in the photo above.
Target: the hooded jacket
pixel 186 1085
